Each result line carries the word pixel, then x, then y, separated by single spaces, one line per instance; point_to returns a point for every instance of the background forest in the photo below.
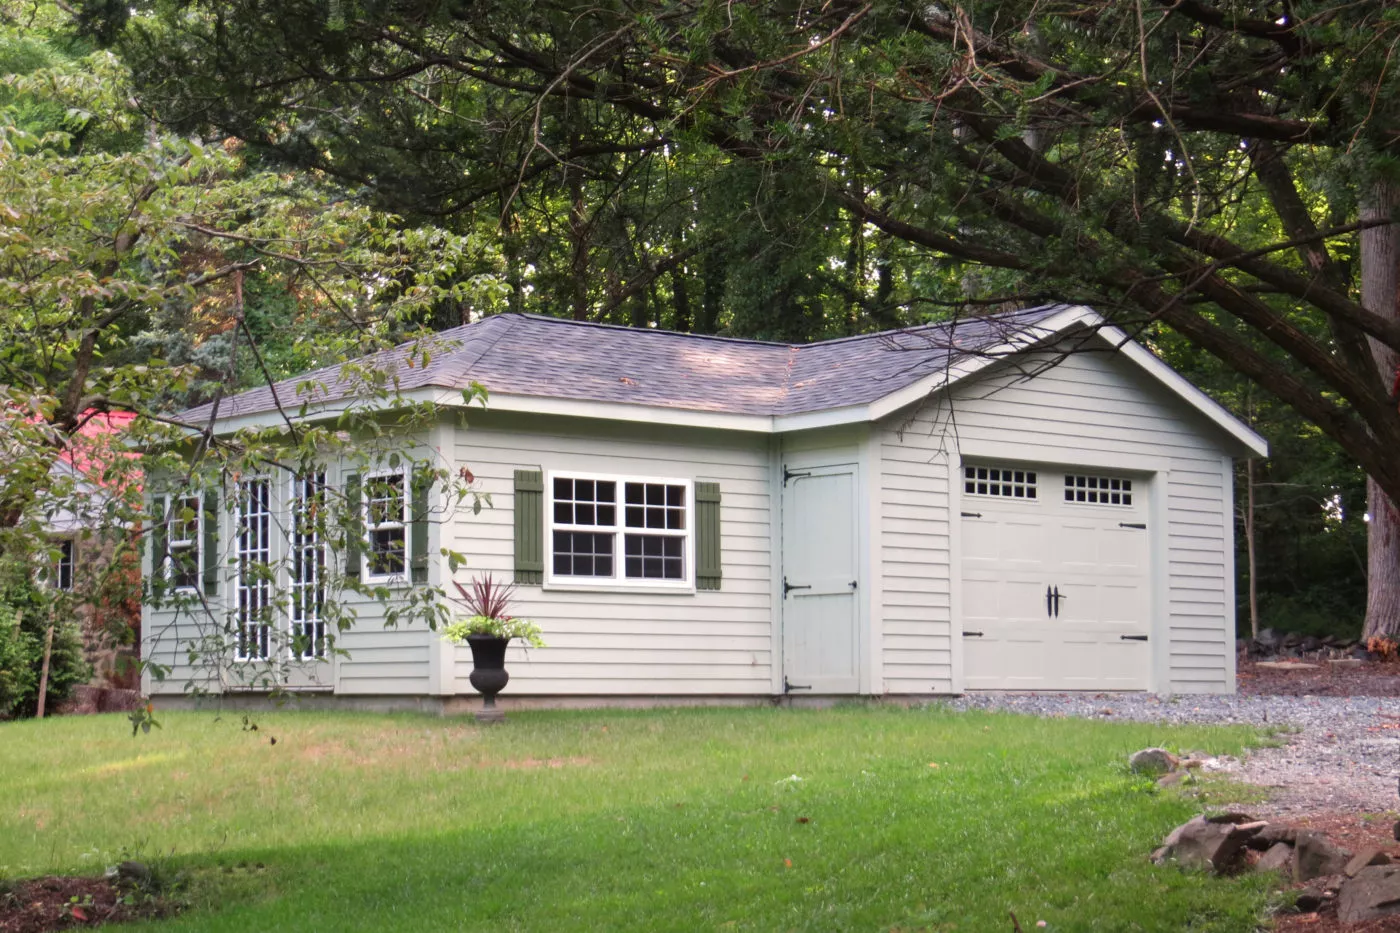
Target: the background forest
pixel 199 197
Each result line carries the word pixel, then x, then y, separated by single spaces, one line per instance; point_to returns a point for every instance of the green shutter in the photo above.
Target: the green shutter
pixel 160 536
pixel 418 530
pixel 210 545
pixel 708 567
pixel 529 526
pixel 353 525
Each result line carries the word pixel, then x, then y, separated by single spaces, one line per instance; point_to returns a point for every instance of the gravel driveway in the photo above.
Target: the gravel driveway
pixel 1344 756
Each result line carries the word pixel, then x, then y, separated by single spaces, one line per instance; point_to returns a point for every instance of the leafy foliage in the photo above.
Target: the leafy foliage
pixel 26 612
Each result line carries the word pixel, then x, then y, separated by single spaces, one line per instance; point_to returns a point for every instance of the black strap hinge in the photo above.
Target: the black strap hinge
pixel 788 686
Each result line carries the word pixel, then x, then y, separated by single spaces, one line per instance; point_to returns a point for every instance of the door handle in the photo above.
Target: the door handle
pixel 978 634
pixel 1058 596
pixel 1133 637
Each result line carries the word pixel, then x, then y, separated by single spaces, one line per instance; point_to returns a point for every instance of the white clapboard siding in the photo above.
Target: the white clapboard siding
pixel 380 661
pixel 636 641
pixel 1088 404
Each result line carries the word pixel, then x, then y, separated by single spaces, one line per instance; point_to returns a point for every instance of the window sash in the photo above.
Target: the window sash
pixel 307 569
pixel 63 568
pixel 182 560
pixel 253 589
pixel 619 532
pixel 395 530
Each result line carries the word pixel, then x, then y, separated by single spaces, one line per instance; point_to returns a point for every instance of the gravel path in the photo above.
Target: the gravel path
pixel 1344 756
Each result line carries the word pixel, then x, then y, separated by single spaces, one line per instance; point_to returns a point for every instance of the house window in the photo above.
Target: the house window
pixel 308 570
pixel 184 542
pixel 606 529
pixel 254 590
pixel 999 481
pixel 386 518
pixel 1099 490
pixel 61 577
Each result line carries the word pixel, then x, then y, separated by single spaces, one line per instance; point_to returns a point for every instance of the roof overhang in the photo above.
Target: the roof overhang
pixel 1029 337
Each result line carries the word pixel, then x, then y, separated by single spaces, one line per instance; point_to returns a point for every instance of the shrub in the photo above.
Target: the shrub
pixel 24 616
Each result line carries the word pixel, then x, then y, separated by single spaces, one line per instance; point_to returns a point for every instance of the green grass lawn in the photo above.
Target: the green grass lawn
pixel 607 820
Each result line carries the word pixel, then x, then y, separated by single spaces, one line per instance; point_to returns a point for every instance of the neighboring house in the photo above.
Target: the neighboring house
pixel 87 542
pixel 1024 501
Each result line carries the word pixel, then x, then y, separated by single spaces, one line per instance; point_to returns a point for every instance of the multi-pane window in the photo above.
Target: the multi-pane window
pixel 183 542
pixel 593 519
pixel 1098 490
pixel 386 518
pixel 308 566
pixel 254 589
pixel 999 481
pixel 63 567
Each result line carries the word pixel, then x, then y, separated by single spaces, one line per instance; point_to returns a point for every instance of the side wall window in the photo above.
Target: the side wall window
pixel 184 542
pixel 386 523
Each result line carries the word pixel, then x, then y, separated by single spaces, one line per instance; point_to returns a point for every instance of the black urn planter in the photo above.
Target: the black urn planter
pixel 489 675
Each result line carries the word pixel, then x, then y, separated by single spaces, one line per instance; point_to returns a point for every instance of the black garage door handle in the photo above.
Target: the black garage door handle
pixel 1133 637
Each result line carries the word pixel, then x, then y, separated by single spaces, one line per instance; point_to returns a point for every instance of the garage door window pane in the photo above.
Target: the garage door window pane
pixel 1098 490
pixel 1002 482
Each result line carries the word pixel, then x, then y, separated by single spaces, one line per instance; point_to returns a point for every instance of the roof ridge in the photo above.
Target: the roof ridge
pixel 647 330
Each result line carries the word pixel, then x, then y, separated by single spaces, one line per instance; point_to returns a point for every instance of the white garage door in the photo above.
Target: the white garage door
pixel 1055 579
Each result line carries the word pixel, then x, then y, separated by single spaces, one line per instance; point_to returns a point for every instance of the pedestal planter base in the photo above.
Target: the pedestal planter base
pixel 489 675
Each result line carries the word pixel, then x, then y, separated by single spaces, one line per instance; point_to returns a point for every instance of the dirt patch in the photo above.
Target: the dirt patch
pixel 1367 679
pixel 41 905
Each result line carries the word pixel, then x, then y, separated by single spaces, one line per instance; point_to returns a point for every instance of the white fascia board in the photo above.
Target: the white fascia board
pixel 1026 338
pixel 1173 380
pixel 501 401
pixel 623 411
pixel 1115 337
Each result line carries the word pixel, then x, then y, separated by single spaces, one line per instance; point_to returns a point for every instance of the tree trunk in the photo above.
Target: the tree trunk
pixel 1380 292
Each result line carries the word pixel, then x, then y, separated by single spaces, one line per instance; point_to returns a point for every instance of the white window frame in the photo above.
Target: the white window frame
pixel 297 586
pixel 263 587
pixel 366 557
pixel 195 544
pixel 1101 490
pixel 619 530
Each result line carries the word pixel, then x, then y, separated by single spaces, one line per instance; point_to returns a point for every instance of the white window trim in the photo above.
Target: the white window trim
pixel 619 580
pixel 272 515
pixel 293 497
pixel 72 548
pixel 195 544
pixel 366 564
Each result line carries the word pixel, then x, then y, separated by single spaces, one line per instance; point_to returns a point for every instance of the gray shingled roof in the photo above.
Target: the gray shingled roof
pixel 526 354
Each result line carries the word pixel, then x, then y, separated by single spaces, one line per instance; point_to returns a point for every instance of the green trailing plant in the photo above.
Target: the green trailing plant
pixel 488 602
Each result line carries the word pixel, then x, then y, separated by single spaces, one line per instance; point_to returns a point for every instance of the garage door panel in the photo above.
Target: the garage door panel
pixel 1092 551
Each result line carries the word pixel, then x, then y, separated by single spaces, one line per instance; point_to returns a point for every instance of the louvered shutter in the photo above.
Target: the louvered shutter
pixel 529 526
pixel 708 565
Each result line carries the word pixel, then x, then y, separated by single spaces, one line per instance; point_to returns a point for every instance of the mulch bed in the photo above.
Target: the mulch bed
pixel 1351 832
pixel 41 905
pixel 1369 679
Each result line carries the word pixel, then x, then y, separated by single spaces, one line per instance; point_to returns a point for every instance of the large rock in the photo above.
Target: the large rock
pixel 1152 761
pixel 1315 856
pixel 1267 638
pixel 1371 855
pixel 1374 892
pixel 1278 858
pixel 1271 835
pixel 1218 847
